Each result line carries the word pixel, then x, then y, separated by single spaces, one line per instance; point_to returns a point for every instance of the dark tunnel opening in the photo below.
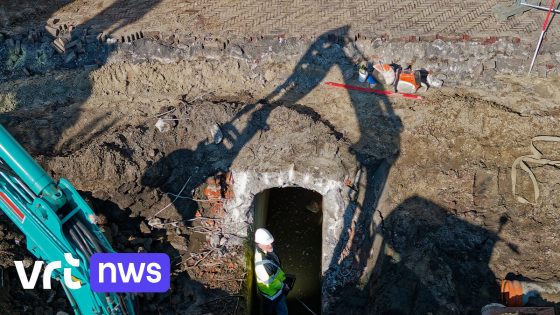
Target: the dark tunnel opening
pixel 294 217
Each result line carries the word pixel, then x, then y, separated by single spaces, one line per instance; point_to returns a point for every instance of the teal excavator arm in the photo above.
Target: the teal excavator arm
pixel 55 220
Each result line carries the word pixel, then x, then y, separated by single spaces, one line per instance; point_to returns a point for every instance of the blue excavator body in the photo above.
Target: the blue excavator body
pixel 56 220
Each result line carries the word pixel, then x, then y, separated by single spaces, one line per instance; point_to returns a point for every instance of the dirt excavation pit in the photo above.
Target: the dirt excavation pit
pixel 395 206
pixel 153 194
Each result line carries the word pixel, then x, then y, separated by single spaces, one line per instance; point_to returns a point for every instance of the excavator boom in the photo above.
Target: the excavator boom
pixel 56 220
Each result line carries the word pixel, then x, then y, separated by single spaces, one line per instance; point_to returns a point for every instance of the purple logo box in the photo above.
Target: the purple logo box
pixel 144 272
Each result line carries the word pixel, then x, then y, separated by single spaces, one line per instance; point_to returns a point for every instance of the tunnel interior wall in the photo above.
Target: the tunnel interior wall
pixel 244 211
pixel 261 206
pixel 294 216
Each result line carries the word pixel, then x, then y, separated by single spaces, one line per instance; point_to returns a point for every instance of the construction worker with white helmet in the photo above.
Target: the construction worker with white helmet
pixel 270 276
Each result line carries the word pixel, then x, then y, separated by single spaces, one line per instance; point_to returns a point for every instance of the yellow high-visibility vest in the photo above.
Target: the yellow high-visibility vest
pixel 270 286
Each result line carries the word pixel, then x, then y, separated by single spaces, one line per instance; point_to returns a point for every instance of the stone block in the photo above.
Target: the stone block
pixel 59 45
pixel 477 70
pixel 490 73
pixel 510 65
pixel 144 228
pixel 52 30
pixel 178 242
pixel 490 64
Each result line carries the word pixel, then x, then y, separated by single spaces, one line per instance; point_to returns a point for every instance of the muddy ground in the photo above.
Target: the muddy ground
pixel 450 226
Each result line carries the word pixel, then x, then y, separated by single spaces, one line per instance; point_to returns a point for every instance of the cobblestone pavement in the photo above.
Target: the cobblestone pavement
pixel 295 18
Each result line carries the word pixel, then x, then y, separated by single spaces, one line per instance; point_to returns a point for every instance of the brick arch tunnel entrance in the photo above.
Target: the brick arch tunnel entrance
pixel 294 216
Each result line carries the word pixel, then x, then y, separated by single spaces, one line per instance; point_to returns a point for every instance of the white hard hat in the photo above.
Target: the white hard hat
pixel 263 236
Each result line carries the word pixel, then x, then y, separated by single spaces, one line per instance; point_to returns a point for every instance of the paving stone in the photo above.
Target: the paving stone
pixel 290 18
pixel 490 64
